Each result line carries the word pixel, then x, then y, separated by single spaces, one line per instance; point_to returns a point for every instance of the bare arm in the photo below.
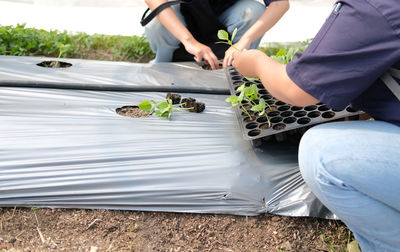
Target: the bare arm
pixel 172 23
pixel 268 19
pixel 254 63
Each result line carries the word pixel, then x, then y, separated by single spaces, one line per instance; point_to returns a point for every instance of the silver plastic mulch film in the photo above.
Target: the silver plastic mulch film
pixel 69 148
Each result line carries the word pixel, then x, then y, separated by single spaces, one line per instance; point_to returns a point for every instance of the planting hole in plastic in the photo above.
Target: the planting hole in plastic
pixel 54 64
pixel 132 111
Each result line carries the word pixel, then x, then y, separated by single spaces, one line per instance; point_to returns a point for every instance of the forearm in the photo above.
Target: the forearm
pixel 268 19
pixel 275 79
pixel 171 22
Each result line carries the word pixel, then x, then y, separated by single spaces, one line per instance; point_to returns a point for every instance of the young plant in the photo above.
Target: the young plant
pixel 62 49
pixel 164 107
pixel 224 35
pixel 249 94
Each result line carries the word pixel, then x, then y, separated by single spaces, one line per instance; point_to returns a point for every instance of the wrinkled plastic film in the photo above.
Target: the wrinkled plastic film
pixel 70 149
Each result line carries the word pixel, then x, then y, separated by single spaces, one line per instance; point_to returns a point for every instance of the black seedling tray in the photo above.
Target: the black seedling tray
pixel 283 117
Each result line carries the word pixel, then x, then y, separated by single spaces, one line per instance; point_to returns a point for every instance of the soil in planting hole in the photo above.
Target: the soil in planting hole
pixel 54 64
pixel 208 66
pixel 132 111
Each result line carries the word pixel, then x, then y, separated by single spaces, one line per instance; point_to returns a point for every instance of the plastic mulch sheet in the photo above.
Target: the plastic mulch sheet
pixel 62 144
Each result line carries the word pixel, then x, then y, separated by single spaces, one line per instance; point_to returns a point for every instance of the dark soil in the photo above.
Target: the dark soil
pixel 24 229
pixel 54 64
pixel 175 98
pixel 132 111
pixel 193 106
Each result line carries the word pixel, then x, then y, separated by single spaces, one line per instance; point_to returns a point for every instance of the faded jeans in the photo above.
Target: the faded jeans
pixel 354 169
pixel 241 15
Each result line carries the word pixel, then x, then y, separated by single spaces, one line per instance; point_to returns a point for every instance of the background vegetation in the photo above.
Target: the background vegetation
pixel 22 41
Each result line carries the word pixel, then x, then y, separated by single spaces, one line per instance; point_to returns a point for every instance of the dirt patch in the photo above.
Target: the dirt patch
pixel 24 229
pixel 132 111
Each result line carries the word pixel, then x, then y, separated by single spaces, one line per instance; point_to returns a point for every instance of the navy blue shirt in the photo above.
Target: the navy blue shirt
pixel 355 46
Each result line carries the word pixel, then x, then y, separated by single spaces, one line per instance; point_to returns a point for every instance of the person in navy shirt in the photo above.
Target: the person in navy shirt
pixel 250 17
pixel 353 167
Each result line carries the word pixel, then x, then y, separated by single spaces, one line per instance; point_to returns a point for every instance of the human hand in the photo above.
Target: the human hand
pixel 239 46
pixel 202 52
pixel 245 62
pixel 229 56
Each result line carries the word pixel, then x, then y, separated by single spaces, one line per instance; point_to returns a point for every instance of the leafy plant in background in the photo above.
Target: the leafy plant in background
pixel 249 94
pixel 21 41
pixel 285 56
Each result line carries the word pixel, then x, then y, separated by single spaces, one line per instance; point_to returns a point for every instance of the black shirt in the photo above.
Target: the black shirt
pixel 220 6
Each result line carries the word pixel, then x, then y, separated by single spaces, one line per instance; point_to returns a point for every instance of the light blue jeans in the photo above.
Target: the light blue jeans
pixel 241 15
pixel 354 169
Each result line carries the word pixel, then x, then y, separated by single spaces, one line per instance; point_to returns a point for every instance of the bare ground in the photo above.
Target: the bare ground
pixel 24 229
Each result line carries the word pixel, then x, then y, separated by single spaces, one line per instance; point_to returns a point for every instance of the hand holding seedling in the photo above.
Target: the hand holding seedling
pixel 238 46
pixel 224 36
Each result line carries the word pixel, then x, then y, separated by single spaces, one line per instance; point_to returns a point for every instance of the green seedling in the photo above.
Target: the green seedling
pixel 224 35
pixel 249 94
pixel 161 108
pixel 62 49
pixel 252 79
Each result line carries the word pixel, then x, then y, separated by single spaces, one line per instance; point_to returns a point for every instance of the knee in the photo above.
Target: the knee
pixel 252 12
pixel 323 153
pixel 309 154
pixel 154 29
pixel 319 147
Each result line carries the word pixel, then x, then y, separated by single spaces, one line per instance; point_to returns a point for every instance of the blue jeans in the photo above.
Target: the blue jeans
pixel 354 169
pixel 241 15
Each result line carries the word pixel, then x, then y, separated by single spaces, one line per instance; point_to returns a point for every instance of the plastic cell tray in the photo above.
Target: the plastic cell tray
pixel 283 117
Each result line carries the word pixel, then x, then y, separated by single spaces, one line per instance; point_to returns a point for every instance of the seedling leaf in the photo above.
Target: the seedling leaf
pixel 223 35
pixel 163 107
pixel 234 34
pixel 241 88
pixel 232 99
pixel 147 106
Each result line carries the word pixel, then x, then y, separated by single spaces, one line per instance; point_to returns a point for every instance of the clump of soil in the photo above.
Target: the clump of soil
pixel 208 66
pixel 175 98
pixel 132 111
pixel 194 106
pixel 54 64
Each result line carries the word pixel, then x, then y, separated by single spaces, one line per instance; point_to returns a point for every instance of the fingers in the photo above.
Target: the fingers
pixel 235 57
pixel 213 61
pixel 209 57
pixel 227 61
